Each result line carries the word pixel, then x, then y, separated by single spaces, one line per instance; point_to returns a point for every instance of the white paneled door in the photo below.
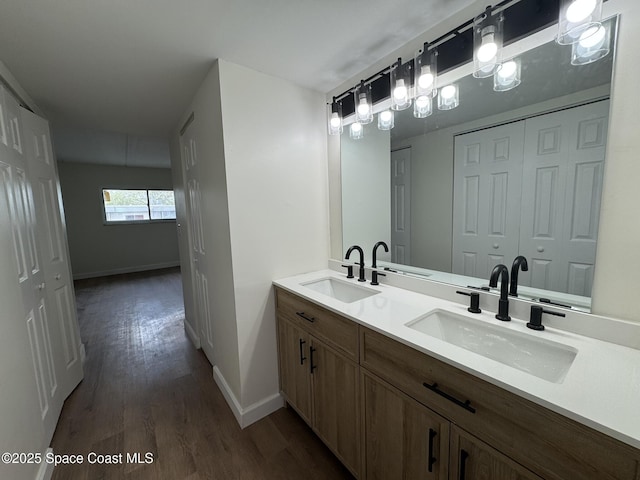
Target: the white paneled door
pixel 401 206
pixel 197 251
pixel 486 204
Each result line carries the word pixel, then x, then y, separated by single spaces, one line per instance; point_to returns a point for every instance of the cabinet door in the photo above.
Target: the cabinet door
pixel 336 403
pixel 295 379
pixel 403 439
pixel 472 459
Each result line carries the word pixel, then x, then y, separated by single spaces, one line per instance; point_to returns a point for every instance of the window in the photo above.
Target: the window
pixel 138 205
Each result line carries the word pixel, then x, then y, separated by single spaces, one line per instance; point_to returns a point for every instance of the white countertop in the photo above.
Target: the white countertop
pixel 600 390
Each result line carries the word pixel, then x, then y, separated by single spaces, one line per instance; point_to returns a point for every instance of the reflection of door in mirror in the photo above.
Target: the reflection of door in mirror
pixel 401 206
pixel 561 185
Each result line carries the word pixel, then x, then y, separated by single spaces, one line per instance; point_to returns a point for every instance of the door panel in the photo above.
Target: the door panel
pixel 401 206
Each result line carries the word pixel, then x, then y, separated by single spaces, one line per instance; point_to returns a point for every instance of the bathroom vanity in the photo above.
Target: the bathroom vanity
pixel 404 385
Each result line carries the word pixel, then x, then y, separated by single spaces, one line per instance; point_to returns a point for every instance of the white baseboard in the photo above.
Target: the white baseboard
pixel 191 333
pixel 45 471
pixel 118 271
pixel 254 412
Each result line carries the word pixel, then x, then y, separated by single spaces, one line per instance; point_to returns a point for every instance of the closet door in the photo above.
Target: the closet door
pixel 52 245
pixel 486 198
pixel 561 192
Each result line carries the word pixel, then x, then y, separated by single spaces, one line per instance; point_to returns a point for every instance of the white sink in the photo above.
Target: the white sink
pixel 340 290
pixel 535 355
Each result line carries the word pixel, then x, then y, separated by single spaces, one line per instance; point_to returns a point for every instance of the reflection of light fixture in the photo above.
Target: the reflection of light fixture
pixel 592 45
pixel 507 75
pixel 400 84
pixel 335 118
pixel 425 72
pixel 422 106
pixel 364 104
pixel 487 43
pixel 448 97
pixel 385 120
pixel 576 18
pixel 356 131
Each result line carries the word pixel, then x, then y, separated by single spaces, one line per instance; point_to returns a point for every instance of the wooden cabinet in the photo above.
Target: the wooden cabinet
pixel 403 439
pixel 319 376
pixel 472 459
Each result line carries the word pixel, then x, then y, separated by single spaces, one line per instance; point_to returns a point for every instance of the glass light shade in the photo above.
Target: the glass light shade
pixel 335 118
pixel 425 73
pixel 576 18
pixel 487 44
pixel 363 103
pixel 448 97
pixel 356 131
pixel 592 45
pixel 507 75
pixel 385 120
pixel 423 106
pixel 400 86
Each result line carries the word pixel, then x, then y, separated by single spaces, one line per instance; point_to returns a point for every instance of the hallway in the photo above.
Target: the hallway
pixel 146 389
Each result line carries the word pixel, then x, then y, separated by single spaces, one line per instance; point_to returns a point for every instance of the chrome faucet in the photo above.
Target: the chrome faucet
pixel 503 304
pixel 361 277
pixel 375 252
pixel 520 262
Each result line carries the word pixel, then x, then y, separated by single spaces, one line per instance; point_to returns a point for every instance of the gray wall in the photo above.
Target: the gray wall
pixel 97 249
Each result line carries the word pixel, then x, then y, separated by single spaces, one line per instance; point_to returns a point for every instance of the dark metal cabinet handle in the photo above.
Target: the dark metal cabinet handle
pixel 306 317
pixel 302 357
pixel 432 459
pixel 312 367
pixel 466 404
pixel 463 463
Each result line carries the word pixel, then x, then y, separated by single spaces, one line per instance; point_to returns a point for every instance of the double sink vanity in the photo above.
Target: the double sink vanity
pixel 403 385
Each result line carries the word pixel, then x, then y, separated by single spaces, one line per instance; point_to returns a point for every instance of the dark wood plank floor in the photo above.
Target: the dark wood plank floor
pixel 146 389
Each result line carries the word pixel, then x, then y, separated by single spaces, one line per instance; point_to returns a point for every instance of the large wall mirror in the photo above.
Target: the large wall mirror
pixel 504 174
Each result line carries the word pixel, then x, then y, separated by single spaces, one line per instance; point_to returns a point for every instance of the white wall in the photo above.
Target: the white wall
pixel 97 249
pixel 276 163
pixel 366 192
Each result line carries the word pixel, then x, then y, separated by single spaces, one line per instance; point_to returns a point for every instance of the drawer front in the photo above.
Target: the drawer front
pixel 338 332
pixel 547 443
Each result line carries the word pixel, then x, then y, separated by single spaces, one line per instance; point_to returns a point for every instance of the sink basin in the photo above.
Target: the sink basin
pixel 340 290
pixel 540 357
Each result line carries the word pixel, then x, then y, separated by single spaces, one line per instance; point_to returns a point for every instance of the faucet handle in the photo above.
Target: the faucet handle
pixel 349 270
pixel 374 277
pixel 535 319
pixel 475 301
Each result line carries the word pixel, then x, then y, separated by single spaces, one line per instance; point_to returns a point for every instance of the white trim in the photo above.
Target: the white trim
pixel 46 469
pixel 16 89
pixel 255 411
pixel 83 353
pixel 191 333
pixel 117 271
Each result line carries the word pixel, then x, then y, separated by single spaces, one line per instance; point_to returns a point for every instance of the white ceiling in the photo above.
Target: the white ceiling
pixel 132 66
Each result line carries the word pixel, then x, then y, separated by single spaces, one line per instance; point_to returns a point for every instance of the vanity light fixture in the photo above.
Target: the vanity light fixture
pixel 507 75
pixel 424 82
pixel 385 120
pixel 356 131
pixel 448 97
pixel 487 43
pixel 400 85
pixel 364 104
pixel 592 45
pixel 576 19
pixel 335 118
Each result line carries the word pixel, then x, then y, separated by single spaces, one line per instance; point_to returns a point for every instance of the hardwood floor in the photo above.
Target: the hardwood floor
pixel 146 389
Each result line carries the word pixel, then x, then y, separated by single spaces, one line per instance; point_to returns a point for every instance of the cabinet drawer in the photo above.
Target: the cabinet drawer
pixel 323 324
pixel 545 442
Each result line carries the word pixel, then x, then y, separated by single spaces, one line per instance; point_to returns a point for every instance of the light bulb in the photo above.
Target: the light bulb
pixel 448 92
pixel 385 116
pixel 488 49
pixel 335 120
pixel 580 10
pixel 507 70
pixel 426 79
pixel 400 92
pixel 592 37
pixel 363 107
pixel 356 127
pixel 422 102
